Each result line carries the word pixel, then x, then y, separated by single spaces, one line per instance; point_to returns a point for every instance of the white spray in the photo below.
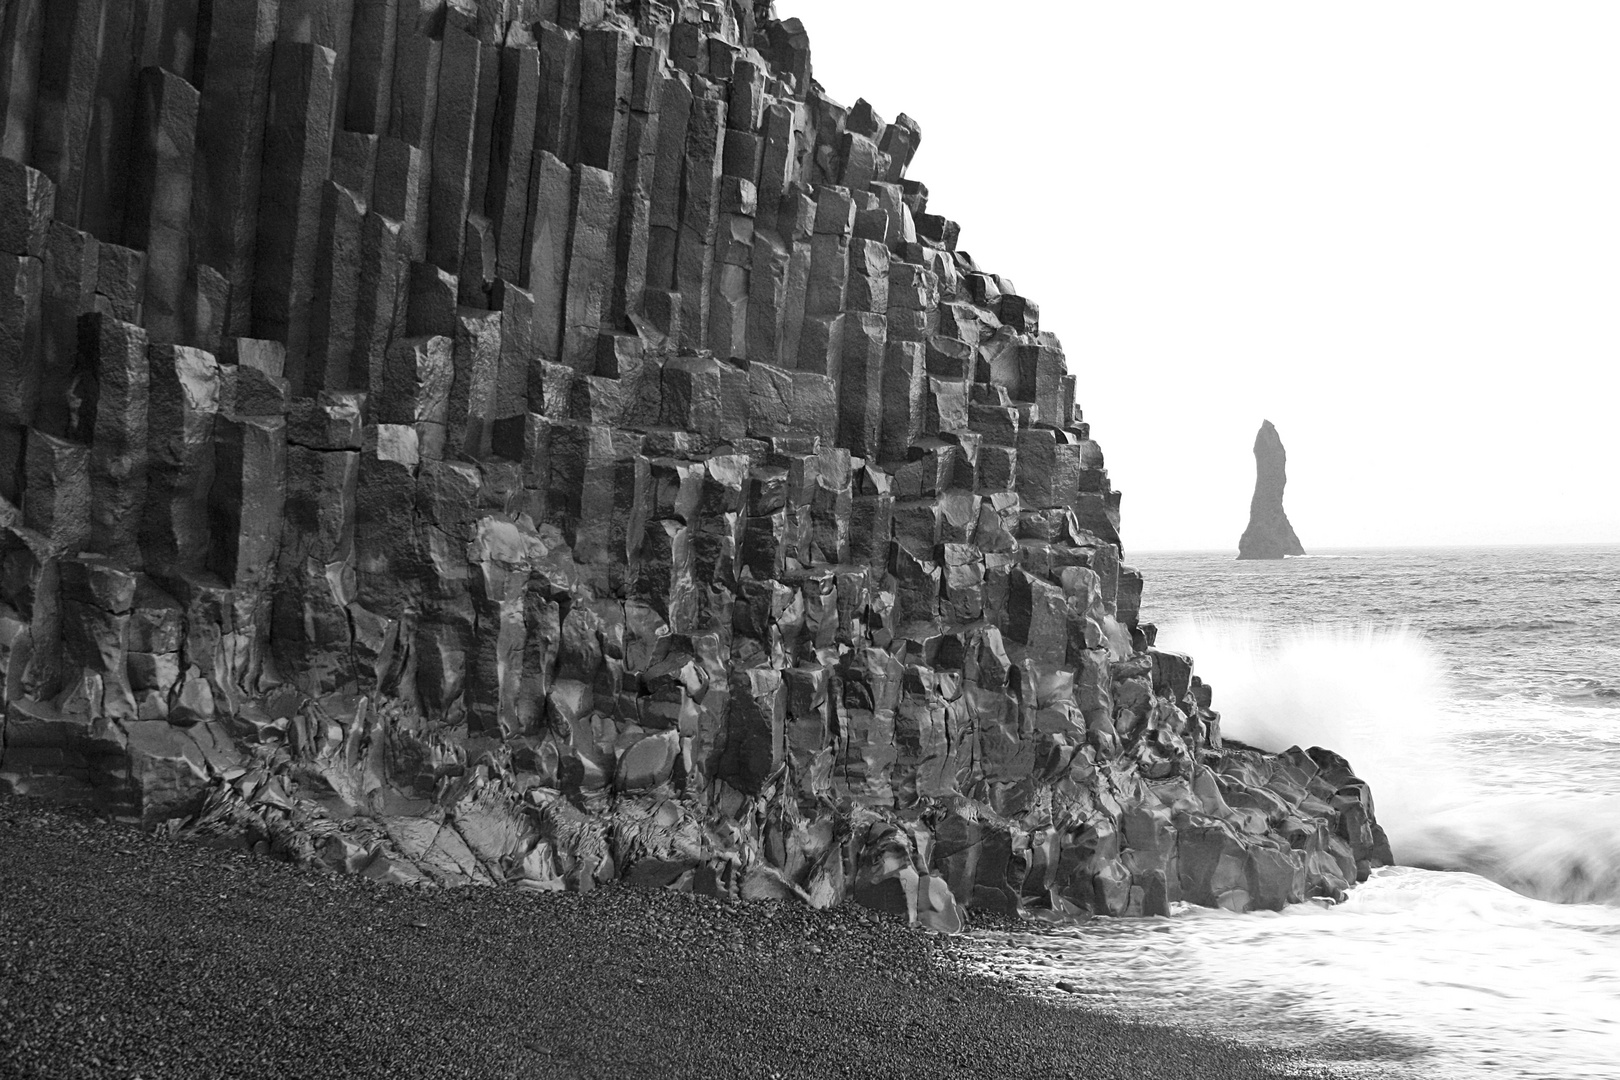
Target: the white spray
pixel 1380 697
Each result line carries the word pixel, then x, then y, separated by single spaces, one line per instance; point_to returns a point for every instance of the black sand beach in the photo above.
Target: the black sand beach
pixel 128 955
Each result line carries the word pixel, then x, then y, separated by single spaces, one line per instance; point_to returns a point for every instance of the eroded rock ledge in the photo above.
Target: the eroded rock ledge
pixel 552 441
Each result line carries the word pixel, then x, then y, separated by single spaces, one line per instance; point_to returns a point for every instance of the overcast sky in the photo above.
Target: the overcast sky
pixel 1391 228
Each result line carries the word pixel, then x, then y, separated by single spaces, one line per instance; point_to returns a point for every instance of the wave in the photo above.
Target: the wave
pixel 1587 689
pixel 1364 555
pixel 1335 556
pixel 1516 627
pixel 1566 850
pixel 1379 696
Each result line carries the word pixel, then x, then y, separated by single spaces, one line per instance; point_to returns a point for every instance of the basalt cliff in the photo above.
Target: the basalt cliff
pixel 1270 535
pixel 550 441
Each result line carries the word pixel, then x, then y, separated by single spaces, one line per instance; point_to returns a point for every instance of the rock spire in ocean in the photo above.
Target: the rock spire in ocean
pixel 1269 535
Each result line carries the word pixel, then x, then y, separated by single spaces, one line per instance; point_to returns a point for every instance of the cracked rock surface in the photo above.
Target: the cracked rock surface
pixel 550 442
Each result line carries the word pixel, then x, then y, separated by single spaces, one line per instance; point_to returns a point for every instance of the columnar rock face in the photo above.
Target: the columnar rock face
pixel 550 441
pixel 1269 535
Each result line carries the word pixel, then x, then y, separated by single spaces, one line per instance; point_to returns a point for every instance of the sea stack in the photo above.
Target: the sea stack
pixel 1269 535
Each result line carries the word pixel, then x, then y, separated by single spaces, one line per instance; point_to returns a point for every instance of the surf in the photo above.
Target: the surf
pixel 1382 696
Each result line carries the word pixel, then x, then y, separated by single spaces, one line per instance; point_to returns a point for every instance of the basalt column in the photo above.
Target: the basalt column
pixel 552 441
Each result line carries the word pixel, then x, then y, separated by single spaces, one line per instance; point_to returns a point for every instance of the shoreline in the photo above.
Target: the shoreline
pixel 124 954
pixel 1309 1046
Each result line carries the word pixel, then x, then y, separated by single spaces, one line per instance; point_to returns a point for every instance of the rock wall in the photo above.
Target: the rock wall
pixel 1269 534
pixel 551 441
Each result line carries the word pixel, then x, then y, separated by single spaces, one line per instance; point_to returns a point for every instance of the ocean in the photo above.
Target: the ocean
pixel 1478 691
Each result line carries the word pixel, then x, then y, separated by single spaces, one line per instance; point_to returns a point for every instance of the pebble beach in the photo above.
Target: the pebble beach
pixel 124 954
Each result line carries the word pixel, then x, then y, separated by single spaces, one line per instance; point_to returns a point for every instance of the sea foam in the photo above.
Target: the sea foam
pixel 1448 796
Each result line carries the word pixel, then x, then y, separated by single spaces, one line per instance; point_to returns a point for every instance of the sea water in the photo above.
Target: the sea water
pixel 1478 691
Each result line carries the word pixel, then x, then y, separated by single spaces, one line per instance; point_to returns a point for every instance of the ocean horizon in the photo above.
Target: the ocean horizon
pixel 1359 548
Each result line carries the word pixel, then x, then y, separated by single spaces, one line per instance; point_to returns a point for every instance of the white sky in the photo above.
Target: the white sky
pixel 1392 227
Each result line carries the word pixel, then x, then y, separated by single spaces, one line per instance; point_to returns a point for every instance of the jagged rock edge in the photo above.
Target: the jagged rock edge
pixel 438 466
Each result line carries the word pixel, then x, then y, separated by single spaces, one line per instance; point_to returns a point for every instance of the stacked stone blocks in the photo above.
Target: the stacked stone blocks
pixel 580 383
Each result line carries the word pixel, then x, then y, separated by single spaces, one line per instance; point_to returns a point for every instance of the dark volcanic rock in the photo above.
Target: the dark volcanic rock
pixel 627 477
pixel 1269 535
